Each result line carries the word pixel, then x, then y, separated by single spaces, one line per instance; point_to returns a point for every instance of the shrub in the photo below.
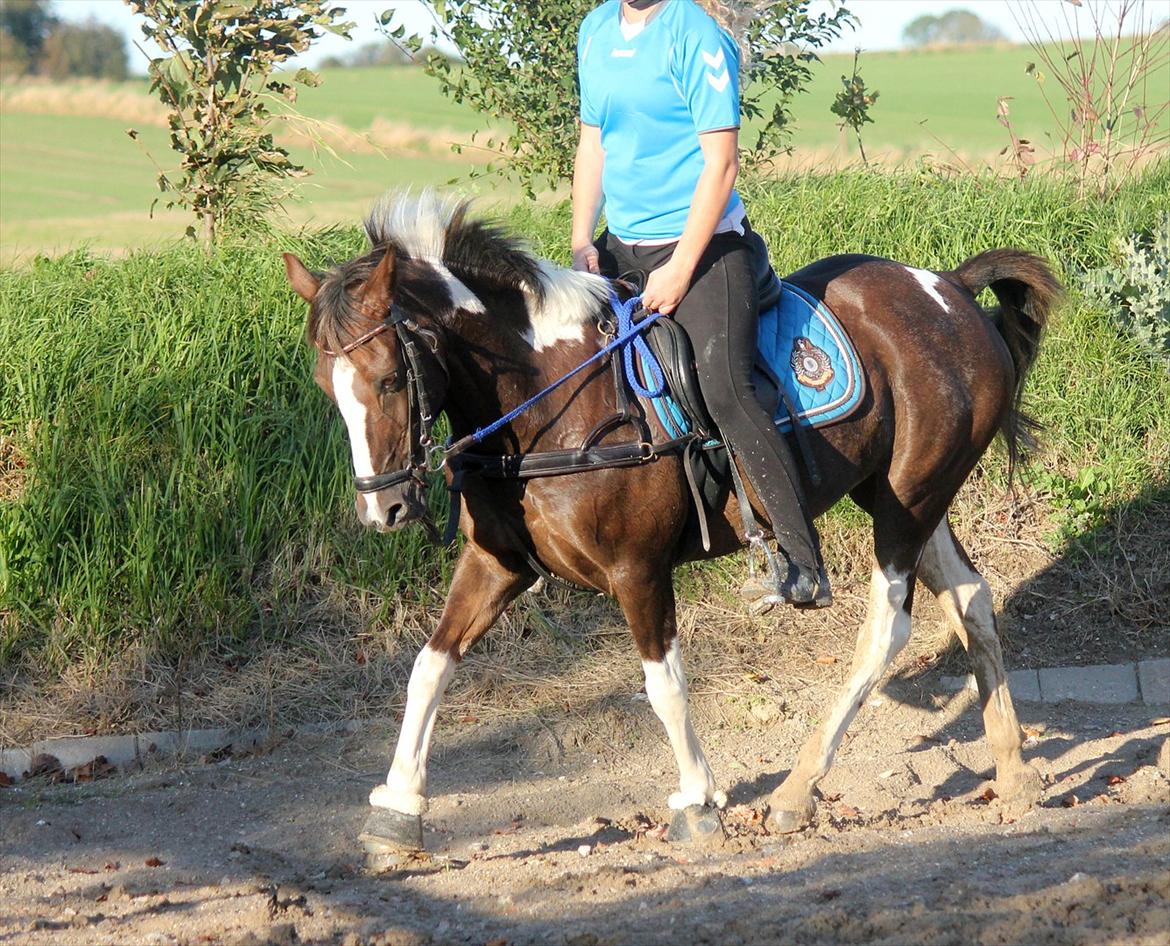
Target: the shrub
pixel 1136 287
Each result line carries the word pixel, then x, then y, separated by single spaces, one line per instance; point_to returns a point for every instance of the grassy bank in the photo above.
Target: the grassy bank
pixel 173 487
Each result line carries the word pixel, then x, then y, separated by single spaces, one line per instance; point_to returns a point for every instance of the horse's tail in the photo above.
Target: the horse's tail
pixel 1027 291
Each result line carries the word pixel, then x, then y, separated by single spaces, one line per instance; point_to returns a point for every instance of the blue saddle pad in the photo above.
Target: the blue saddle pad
pixel 804 346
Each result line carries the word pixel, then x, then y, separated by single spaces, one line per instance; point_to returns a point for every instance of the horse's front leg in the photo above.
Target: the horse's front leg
pixel 481 588
pixel 648 603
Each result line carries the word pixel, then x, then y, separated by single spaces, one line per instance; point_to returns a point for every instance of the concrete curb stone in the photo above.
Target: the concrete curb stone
pixel 1154 680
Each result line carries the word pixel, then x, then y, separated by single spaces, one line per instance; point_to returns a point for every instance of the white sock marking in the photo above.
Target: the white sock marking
pixel 406 784
pixel 886 631
pixel 931 283
pixel 666 688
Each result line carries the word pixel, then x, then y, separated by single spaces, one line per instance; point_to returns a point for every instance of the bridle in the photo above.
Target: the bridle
pixel 423 449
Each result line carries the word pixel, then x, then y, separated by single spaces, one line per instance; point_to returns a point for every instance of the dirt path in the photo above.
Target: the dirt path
pixel 906 850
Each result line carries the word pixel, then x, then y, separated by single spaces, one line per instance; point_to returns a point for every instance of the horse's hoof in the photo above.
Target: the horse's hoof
pixel 789 820
pixel 389 833
pixel 1022 787
pixel 697 824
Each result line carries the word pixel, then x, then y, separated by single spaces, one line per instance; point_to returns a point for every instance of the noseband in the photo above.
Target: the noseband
pixel 421 412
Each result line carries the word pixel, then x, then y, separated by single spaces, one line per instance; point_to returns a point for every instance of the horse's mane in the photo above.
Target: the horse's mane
pixel 434 239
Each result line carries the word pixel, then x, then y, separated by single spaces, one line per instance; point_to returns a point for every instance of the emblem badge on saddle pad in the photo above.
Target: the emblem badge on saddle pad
pixel 810 364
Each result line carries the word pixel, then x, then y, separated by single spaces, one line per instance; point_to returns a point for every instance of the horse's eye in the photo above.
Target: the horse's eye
pixel 390 383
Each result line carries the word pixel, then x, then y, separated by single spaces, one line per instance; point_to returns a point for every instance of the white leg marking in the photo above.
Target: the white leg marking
pixel 965 597
pixel 931 283
pixel 354 413
pixel 406 784
pixel 666 687
pixel 886 631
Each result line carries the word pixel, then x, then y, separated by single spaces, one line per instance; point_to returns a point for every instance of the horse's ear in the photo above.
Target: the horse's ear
pixel 304 282
pixel 379 287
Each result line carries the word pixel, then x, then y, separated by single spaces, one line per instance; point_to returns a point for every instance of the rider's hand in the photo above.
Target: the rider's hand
pixel 666 287
pixel 586 260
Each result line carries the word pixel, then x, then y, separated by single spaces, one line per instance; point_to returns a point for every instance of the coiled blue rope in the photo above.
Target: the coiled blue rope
pixel 624 311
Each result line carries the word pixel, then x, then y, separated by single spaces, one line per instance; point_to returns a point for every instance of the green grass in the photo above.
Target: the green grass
pixel 74 181
pixel 171 481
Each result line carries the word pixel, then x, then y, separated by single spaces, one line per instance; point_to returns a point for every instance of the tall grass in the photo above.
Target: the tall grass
pixel 172 482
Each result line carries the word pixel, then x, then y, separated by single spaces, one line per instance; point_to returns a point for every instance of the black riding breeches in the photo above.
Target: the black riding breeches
pixel 719 313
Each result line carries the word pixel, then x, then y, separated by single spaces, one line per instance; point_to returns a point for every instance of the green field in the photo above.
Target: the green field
pixel 77 179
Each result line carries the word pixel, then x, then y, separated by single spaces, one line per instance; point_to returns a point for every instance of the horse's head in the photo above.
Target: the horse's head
pixel 383 365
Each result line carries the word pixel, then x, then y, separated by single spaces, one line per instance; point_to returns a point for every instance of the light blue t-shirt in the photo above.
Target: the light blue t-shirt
pixel 652 95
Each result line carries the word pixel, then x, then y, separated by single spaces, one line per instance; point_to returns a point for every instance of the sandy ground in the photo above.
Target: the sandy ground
pixel 551 833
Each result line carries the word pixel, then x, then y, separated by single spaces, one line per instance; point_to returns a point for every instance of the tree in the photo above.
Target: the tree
pixel 519 65
pixel 953 28
pixel 216 77
pixel 84 49
pixel 27 24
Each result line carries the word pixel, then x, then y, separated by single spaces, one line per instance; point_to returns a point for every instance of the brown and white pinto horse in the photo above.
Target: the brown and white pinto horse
pixel 492 325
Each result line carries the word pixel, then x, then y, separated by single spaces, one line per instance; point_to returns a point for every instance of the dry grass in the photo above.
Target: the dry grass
pixel 90 99
pixel 556 657
pixel 13 469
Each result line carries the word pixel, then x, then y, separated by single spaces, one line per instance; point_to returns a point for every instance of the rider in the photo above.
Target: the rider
pixel 659 146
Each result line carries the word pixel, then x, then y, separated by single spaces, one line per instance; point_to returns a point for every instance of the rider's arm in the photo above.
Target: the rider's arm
pixel 587 197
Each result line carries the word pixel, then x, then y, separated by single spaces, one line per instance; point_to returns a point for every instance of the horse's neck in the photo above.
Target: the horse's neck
pixel 493 371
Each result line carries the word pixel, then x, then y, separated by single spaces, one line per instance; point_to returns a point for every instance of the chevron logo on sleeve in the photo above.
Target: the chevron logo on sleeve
pixel 717 77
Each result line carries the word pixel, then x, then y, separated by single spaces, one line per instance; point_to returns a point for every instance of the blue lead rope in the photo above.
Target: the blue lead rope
pixel 625 326
pixel 627 332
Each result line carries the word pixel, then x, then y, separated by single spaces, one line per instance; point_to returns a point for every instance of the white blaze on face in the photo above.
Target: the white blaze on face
pixel 931 284
pixel 346 382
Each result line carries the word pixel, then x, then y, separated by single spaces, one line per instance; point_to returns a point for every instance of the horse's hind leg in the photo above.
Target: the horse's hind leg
pixel 481 588
pixel 964 596
pixel 882 636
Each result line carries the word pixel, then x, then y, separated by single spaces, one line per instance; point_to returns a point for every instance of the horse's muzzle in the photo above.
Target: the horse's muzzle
pixel 393 508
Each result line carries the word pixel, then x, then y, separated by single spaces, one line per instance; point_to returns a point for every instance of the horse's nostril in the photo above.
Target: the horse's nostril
pixel 395 514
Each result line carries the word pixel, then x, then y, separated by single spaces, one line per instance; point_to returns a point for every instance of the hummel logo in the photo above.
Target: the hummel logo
pixel 717 77
pixel 623 53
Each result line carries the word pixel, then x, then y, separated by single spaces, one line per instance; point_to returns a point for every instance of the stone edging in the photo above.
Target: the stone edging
pixel 73 751
pixel 1145 681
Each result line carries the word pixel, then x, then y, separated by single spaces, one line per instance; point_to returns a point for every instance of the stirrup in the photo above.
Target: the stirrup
pixel 764 591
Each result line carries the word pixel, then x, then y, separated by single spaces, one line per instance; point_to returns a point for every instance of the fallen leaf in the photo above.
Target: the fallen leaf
pixel 1070 801
pixel 5 780
pixel 989 794
pixel 847 811
pixel 154 862
pixel 1114 779
pixel 887 773
pixel 826 659
pixel 1160 721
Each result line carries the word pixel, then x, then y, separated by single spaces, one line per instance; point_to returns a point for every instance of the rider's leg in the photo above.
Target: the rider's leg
pixel 719 314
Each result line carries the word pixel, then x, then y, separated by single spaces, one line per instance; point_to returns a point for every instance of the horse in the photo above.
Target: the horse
pixel 449 312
